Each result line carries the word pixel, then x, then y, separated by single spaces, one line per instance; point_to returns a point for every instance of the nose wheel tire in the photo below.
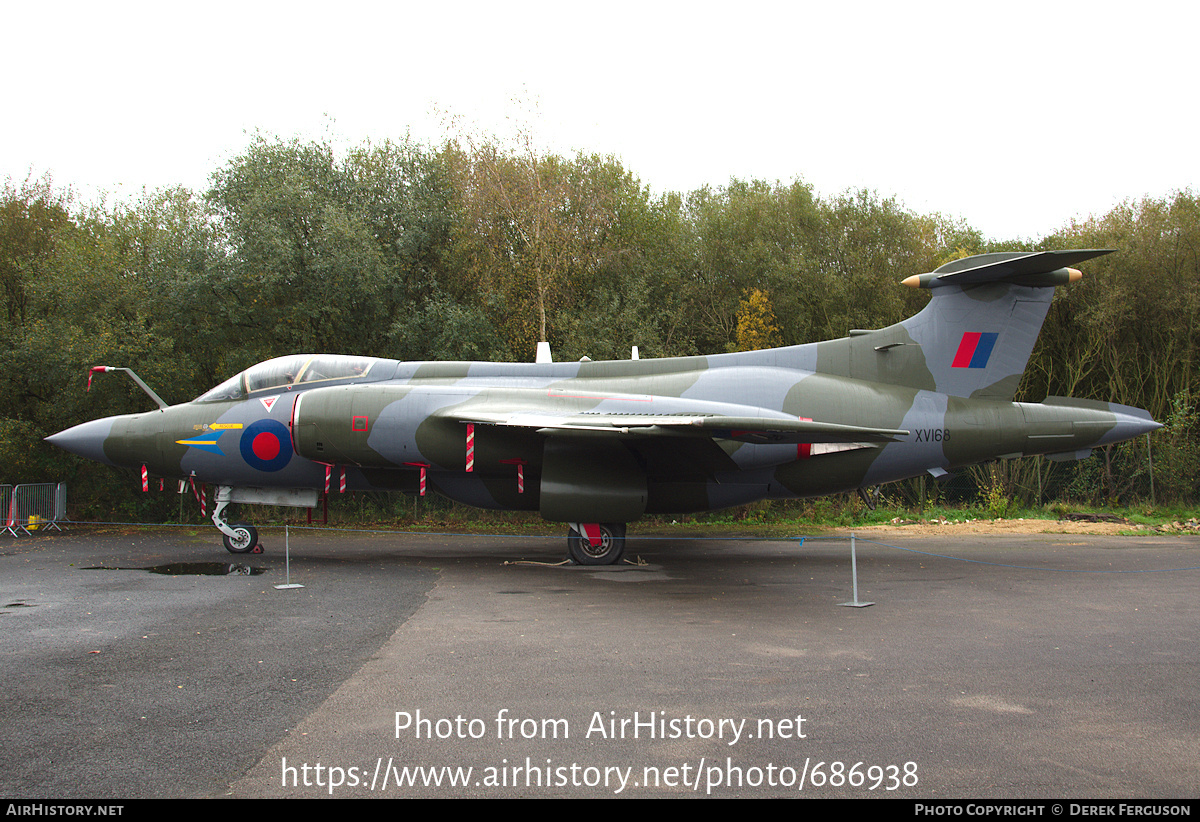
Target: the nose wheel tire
pixel 244 540
pixel 609 550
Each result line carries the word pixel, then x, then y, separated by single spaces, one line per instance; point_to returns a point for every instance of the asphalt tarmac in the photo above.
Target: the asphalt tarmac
pixel 1047 666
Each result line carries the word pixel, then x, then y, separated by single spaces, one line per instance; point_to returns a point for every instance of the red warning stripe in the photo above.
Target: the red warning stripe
pixel 804 449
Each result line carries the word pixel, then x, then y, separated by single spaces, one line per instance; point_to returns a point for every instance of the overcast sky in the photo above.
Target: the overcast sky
pixel 1017 118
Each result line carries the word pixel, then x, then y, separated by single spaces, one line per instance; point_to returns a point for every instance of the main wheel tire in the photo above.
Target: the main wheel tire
pixel 608 552
pixel 244 541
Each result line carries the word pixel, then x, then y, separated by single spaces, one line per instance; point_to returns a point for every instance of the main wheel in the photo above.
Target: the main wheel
pixel 608 552
pixel 244 541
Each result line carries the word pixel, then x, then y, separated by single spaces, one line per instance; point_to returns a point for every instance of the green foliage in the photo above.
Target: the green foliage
pixel 325 254
pixel 1177 453
pixel 455 331
pixel 1128 330
pixel 995 498
pixel 540 236
pixel 23 461
pixel 33 222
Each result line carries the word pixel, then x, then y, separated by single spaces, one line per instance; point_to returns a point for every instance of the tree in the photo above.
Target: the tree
pixel 33 221
pixel 1128 330
pixel 326 254
pixel 534 226
pixel 756 327
pixel 750 235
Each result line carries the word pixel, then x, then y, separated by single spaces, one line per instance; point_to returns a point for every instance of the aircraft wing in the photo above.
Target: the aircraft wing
pixel 713 426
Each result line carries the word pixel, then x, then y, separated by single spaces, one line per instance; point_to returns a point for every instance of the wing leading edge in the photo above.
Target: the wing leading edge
pixel 714 426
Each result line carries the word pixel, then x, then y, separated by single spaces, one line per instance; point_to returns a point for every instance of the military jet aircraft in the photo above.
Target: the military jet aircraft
pixel 598 444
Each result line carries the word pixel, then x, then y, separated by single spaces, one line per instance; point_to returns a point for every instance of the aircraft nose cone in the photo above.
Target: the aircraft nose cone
pixel 1130 423
pixel 86 440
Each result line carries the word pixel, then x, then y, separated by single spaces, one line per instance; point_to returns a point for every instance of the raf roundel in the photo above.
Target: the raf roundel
pixel 266 445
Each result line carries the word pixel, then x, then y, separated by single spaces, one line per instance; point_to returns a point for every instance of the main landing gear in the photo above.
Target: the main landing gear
pixel 596 543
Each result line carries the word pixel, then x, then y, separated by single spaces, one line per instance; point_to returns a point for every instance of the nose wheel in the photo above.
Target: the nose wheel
pixel 244 539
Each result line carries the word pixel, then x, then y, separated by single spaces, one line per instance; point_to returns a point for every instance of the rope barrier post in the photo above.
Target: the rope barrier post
pixel 287 563
pixel 854 577
pixel 1150 463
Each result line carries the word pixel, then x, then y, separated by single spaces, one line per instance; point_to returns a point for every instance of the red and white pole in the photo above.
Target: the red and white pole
pixel 520 463
pixel 422 466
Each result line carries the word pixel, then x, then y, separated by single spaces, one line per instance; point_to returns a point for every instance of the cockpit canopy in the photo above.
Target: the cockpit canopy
pixel 297 369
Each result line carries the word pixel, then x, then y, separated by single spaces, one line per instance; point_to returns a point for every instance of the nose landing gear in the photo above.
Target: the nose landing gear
pixel 240 538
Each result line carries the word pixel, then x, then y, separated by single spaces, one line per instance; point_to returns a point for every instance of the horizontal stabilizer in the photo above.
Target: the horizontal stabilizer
pixel 1044 269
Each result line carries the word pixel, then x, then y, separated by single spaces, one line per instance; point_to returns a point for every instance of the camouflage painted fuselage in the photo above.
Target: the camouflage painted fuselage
pixel 610 441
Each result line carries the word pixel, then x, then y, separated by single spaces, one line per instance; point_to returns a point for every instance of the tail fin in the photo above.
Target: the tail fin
pixel 975 336
pixel 980 327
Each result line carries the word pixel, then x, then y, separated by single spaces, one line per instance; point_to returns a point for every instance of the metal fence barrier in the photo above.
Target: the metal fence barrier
pixel 30 507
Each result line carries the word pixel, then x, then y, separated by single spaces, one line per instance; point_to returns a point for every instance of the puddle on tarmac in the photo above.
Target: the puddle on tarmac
pixel 204 569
